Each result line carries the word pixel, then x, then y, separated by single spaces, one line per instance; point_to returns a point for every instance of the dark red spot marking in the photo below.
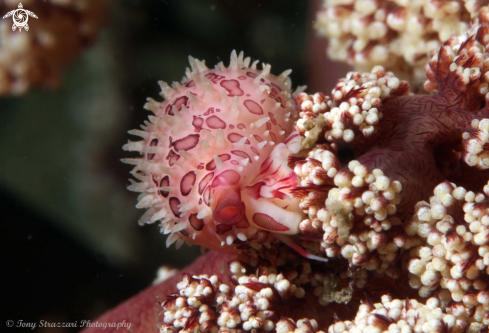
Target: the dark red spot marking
pixel 205 181
pixel 154 180
pixel 273 95
pixel 174 203
pixel 232 87
pixel 190 84
pixel 172 157
pixel 248 95
pixel 231 126
pixel 269 126
pixel 273 136
pixel 218 110
pixel 200 201
pixel 241 126
pixel 251 74
pixel 185 233
pixel 182 100
pixel 215 122
pixel 209 111
pixel 212 165
pixel 266 164
pixel 242 77
pixel 253 107
pixel 187 143
pixel 235 137
pixel 214 77
pixel 197 123
pixel 221 229
pixel 275 86
pixel 195 222
pixel 187 183
pixel 153 143
pixel 200 166
pixel 267 222
pixel 234 162
pixel 165 182
pixel 258 138
pixel 255 150
pixel 207 195
pixel 272 118
pixel 242 154
pixel 262 101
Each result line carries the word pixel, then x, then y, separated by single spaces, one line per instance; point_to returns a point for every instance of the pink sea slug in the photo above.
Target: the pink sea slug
pixel 214 168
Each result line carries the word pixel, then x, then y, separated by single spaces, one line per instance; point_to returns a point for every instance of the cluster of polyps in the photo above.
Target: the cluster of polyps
pixel 461 72
pixel 404 316
pixel 476 152
pixel 455 255
pixel 353 208
pixel 395 33
pixel 351 111
pixel 357 216
pixel 214 168
pixel 206 304
pixel 461 65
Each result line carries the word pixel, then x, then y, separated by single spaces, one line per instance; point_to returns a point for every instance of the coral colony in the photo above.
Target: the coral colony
pixel 372 199
pixel 399 34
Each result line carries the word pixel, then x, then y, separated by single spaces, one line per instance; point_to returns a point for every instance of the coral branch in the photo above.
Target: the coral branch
pixel 353 107
pixel 459 70
pixel 400 35
pixel 455 227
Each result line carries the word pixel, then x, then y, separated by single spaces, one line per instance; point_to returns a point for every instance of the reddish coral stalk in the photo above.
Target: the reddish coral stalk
pixel 143 309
